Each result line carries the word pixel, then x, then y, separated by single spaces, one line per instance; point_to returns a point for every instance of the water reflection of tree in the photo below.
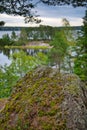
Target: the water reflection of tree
pixel 32 52
pixel 5 52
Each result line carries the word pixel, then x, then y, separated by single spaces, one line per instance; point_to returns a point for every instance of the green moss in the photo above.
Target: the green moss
pixel 52 112
pixel 41 113
pixel 47 126
pixel 36 102
pixel 73 89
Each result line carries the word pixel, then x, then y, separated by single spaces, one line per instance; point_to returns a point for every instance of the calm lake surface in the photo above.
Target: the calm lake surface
pixel 5 54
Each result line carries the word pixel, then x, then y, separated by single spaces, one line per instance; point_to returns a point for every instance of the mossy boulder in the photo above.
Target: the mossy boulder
pixel 44 99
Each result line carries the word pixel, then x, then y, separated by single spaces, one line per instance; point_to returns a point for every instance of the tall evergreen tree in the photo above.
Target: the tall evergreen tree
pixel 81 60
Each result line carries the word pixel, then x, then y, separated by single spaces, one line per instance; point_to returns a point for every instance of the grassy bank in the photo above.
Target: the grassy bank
pixel 27 47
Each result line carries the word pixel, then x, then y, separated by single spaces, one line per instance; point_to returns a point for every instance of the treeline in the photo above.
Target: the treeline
pixel 28 34
pixel 41 32
pixel 45 33
pixel 8 28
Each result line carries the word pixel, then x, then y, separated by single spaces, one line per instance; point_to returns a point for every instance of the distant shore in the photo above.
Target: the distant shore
pixel 32 45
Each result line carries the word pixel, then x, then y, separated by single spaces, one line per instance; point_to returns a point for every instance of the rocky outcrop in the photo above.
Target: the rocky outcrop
pixel 46 100
pixel 3 101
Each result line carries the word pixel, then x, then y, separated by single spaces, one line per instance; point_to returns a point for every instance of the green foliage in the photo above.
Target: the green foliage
pixel 59 48
pixel 40 33
pixel 23 37
pixel 5 40
pixel 42 58
pixel 13 36
pixel 80 67
pixel 21 64
pixel 74 3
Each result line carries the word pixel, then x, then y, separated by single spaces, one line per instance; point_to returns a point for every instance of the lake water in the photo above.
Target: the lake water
pixel 4 59
pixel 5 54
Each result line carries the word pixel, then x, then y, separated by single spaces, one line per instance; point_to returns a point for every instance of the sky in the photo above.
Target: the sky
pixel 50 15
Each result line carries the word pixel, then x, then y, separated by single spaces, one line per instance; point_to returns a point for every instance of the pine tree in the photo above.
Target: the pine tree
pixel 81 60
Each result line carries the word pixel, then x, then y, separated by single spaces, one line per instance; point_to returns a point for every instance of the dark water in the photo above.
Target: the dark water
pixel 5 54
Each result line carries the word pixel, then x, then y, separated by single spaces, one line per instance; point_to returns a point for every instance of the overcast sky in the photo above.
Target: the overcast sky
pixel 50 15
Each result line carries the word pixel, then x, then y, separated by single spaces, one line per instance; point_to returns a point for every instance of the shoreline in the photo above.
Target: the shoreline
pixel 31 45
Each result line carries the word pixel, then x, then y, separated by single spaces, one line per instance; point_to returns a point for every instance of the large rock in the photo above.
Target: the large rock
pixel 46 100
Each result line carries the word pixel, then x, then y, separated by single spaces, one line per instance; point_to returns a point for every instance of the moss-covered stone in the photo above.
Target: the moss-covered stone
pixel 45 100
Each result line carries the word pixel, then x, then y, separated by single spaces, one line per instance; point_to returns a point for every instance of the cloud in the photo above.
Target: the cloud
pixel 51 21
pixel 12 20
pixel 58 21
pixel 50 15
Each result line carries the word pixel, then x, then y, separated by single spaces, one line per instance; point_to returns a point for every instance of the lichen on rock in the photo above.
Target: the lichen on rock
pixel 44 99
